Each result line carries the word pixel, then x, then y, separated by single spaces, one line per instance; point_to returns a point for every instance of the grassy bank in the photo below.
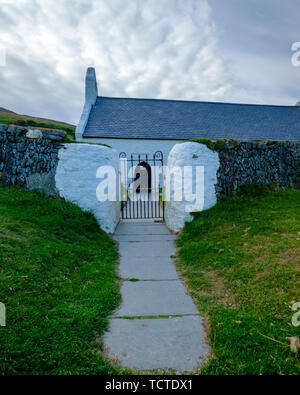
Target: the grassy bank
pixel 70 136
pixel 58 281
pixel 32 123
pixel 241 263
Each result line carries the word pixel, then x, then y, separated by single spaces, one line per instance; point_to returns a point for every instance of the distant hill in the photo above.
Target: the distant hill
pixel 4 110
pixel 9 117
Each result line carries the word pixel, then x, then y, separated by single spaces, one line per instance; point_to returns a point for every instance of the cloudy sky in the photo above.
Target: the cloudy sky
pixel 213 50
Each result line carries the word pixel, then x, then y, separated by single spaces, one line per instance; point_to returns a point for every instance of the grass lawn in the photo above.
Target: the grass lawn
pixel 241 263
pixel 58 281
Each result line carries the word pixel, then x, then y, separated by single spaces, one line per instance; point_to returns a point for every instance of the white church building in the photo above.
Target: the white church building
pixel 144 126
pixel 149 134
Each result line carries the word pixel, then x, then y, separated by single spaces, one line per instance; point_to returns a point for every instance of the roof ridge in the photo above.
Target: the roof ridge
pixel 198 101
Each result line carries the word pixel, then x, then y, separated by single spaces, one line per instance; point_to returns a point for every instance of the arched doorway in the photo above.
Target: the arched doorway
pixel 143 173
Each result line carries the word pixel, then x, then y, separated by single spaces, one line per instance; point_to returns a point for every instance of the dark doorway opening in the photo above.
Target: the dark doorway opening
pixel 143 173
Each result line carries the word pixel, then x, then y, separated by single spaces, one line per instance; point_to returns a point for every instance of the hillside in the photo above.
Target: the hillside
pixel 9 117
pixel 4 113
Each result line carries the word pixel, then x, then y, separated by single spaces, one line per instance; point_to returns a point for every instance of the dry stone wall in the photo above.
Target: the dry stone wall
pixel 230 165
pixel 28 157
pixel 271 163
pixel 41 161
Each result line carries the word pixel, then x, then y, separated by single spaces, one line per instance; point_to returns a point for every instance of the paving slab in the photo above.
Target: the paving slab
pixel 149 249
pixel 147 268
pixel 146 221
pixel 143 221
pixel 154 298
pixel 129 228
pixel 162 344
pixel 145 238
pixel 176 343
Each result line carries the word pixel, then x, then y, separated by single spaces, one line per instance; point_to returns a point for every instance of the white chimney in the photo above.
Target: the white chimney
pixel 91 94
pixel 91 89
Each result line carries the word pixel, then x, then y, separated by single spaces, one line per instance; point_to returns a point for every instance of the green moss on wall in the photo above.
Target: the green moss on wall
pixel 219 145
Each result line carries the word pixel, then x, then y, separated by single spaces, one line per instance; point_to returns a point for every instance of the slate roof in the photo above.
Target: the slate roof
pixel 183 120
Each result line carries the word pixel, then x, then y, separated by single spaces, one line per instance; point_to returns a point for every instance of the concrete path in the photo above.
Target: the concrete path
pixel 157 326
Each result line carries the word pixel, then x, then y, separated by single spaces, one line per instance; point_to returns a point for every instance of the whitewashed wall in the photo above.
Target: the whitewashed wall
pixel 191 154
pixel 134 146
pixel 76 180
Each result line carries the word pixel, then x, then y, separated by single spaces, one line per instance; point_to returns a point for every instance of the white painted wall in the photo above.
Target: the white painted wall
pixel 134 146
pixel 191 154
pixel 76 180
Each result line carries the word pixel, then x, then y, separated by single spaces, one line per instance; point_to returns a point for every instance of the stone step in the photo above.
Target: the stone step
pixel 135 228
pixel 149 249
pixel 147 344
pixel 145 238
pixel 154 298
pixel 145 268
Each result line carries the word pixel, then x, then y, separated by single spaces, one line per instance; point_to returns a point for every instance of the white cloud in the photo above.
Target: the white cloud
pixel 263 79
pixel 140 48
